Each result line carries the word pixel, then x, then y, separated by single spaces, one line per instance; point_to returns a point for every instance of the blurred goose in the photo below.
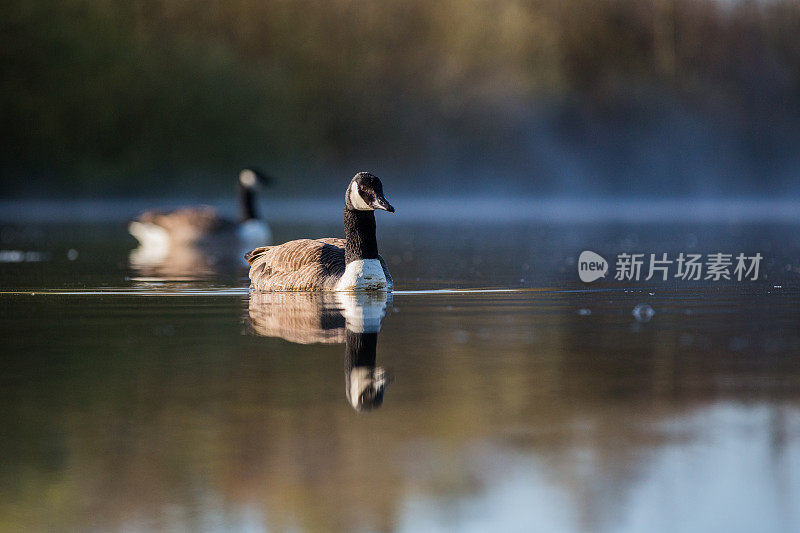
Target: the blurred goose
pixel 202 224
pixel 352 318
pixel 352 263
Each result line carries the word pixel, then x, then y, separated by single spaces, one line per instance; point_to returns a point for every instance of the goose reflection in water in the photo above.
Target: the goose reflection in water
pixel 186 261
pixel 176 263
pixel 331 318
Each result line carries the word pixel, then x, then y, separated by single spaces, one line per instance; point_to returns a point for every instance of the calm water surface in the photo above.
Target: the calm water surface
pixel 492 391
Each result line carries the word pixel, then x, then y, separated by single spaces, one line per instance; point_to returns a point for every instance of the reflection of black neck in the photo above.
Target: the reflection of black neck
pixel 359 359
pixel 247 203
pixel 360 351
pixel 359 232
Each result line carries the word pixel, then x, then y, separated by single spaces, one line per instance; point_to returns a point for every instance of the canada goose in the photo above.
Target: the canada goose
pixel 195 225
pixel 352 263
pixel 352 318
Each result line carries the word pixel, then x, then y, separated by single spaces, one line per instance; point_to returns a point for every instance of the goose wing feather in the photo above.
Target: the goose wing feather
pixel 301 265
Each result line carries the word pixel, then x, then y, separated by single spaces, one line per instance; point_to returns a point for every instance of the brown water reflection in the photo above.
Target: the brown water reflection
pixel 185 261
pixel 507 410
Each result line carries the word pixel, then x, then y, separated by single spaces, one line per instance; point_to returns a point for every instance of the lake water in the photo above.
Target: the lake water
pixel 493 391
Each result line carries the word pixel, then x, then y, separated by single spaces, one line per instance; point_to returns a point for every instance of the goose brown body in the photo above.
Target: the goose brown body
pixel 189 224
pixel 301 265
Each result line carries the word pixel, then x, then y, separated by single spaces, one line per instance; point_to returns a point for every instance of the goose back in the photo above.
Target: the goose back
pixel 187 225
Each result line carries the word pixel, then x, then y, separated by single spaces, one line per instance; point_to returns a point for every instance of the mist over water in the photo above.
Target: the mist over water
pixel 439 209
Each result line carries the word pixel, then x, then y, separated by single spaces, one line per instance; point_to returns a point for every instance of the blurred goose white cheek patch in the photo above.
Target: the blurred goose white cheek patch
pixel 591 266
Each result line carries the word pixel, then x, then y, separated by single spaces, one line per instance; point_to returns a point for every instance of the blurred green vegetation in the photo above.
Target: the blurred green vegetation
pixel 102 96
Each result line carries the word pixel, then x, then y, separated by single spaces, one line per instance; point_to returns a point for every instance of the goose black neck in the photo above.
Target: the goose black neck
pixel 359 232
pixel 361 351
pixel 247 203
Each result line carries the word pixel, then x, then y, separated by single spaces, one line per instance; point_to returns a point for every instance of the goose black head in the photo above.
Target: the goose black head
pixel 250 178
pixel 365 193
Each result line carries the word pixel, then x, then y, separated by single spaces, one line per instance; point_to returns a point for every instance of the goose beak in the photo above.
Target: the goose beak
pixel 381 203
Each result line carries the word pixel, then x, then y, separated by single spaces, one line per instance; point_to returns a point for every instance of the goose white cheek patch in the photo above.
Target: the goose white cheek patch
pixel 360 379
pixel 357 201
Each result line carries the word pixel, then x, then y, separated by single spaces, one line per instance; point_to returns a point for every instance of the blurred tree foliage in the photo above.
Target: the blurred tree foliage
pixel 96 93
